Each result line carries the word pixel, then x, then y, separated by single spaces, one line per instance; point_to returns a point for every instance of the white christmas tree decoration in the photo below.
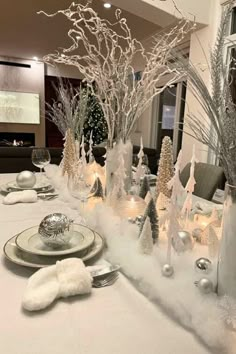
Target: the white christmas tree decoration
pixel 145 241
pixel 173 213
pixel 139 174
pixel 83 156
pixel 90 151
pixel 187 206
pixel 165 172
pixel 69 155
pixel 213 243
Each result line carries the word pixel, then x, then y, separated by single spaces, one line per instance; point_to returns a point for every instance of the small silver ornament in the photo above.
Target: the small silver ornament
pixel 139 219
pixel 131 220
pixel 26 179
pixel 203 265
pixel 55 230
pixel 167 270
pixel 205 285
pixel 197 234
pixel 182 242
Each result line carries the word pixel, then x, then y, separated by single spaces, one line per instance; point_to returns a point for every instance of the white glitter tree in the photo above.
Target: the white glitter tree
pixel 145 241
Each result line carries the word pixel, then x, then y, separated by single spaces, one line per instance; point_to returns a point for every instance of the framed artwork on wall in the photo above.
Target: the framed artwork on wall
pixel 19 107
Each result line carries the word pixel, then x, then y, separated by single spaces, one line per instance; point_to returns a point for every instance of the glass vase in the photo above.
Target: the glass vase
pixel 226 275
pixel 112 164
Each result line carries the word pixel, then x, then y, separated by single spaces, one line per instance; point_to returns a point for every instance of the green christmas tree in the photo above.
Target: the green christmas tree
pixel 145 187
pixel 151 212
pixel 95 122
pixel 97 189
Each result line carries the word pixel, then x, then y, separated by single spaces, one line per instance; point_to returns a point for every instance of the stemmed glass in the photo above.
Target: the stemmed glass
pixel 82 188
pixel 40 158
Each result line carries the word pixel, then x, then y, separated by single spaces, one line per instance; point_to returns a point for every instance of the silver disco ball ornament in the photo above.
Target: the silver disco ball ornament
pixel 203 265
pixel 55 230
pixel 182 242
pixel 205 285
pixel 26 179
pixel 167 270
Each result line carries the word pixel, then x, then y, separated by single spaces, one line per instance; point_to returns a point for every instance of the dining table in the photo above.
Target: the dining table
pixel 116 319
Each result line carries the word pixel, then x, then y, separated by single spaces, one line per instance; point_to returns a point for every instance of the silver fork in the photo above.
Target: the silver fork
pixel 106 282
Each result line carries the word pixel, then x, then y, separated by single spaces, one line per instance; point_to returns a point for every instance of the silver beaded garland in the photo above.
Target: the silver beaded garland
pixel 26 179
pixel 55 230
pixel 203 265
pixel 205 285
pixel 167 270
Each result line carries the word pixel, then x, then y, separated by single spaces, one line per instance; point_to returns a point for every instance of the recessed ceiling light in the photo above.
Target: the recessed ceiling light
pixel 35 58
pixel 107 5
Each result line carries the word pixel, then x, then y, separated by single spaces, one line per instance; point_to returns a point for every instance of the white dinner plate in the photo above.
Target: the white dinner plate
pixel 17 256
pixel 29 241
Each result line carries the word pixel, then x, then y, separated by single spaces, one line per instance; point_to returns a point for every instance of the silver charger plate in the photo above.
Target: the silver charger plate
pixel 38 187
pixel 29 241
pixel 17 256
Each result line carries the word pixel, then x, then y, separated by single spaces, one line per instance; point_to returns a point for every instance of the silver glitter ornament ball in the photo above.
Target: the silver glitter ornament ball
pixel 26 179
pixel 205 286
pixel 203 265
pixel 167 270
pixel 55 230
pixel 182 242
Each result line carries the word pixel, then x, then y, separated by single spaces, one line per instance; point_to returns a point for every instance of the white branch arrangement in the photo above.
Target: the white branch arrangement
pixel 70 109
pixel 104 53
pixel 215 125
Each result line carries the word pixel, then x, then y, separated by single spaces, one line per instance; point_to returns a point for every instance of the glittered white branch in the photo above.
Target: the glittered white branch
pixel 104 53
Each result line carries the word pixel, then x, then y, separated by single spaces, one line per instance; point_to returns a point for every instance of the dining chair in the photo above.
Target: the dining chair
pixel 208 179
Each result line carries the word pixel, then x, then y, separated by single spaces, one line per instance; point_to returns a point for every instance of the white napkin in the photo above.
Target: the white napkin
pixel 27 196
pixel 65 278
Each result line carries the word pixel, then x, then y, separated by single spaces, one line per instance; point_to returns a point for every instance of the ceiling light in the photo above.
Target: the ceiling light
pixel 107 5
pixel 35 58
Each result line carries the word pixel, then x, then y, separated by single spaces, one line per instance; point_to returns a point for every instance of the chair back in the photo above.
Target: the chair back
pixel 208 179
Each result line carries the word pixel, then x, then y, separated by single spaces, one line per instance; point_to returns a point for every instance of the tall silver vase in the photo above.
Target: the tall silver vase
pixel 227 255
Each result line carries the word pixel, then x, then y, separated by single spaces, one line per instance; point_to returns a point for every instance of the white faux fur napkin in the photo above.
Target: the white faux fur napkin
pixel 65 278
pixel 27 196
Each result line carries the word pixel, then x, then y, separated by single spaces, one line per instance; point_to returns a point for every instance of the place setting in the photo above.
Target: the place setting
pixel 54 239
pixel 28 186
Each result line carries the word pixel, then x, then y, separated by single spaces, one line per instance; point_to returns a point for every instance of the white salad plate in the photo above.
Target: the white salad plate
pixel 17 256
pixel 29 241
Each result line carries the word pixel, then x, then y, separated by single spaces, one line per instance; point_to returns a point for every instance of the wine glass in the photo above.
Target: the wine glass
pixel 82 188
pixel 40 158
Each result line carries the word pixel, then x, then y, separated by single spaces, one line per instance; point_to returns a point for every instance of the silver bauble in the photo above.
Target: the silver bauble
pixel 55 230
pixel 139 219
pixel 203 265
pixel 182 242
pixel 26 179
pixel 197 234
pixel 167 270
pixel 205 285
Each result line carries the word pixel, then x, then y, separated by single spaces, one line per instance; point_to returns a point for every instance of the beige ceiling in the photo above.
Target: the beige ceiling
pixel 24 33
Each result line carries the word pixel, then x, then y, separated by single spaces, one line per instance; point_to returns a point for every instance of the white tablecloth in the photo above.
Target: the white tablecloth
pixel 112 320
